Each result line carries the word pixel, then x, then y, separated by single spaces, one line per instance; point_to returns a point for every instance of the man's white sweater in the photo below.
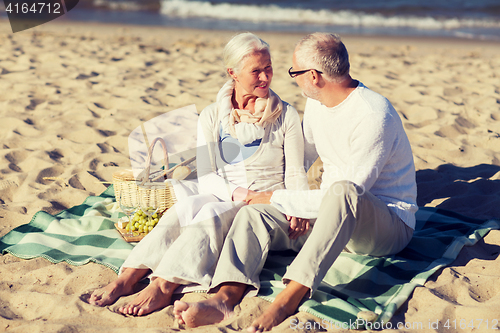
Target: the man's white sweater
pixel 361 140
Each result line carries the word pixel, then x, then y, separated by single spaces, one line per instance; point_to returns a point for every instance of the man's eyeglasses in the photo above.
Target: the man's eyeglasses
pixel 295 73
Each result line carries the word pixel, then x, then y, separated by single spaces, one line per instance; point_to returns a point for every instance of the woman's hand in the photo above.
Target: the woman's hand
pixel 259 198
pixel 298 226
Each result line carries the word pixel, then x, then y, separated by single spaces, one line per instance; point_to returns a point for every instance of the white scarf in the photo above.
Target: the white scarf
pixel 242 124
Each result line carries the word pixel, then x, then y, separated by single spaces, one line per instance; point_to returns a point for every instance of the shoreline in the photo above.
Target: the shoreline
pixel 465 22
pixel 141 30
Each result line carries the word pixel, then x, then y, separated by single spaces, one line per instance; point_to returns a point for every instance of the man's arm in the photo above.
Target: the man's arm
pixel 371 144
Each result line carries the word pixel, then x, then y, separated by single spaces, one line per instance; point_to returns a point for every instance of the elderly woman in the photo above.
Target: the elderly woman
pixel 249 140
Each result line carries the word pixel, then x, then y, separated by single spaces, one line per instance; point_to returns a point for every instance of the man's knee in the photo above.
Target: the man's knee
pixel 342 196
pixel 261 215
pixel 254 212
pixel 344 189
pixel 246 215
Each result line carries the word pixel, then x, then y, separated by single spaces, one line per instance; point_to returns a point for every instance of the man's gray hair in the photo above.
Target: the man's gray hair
pixel 241 46
pixel 324 52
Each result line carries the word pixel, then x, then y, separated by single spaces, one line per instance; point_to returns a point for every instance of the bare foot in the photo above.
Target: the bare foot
pixel 155 296
pixel 109 294
pixel 274 315
pixel 213 310
pixel 207 312
pixel 285 304
pixel 123 285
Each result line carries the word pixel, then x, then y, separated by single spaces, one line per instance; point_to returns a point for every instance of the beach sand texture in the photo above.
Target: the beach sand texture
pixel 72 93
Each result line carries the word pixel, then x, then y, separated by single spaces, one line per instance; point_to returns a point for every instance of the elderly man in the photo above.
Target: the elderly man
pixel 366 203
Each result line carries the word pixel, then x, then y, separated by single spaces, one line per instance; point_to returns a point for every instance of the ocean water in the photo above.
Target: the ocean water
pixel 474 19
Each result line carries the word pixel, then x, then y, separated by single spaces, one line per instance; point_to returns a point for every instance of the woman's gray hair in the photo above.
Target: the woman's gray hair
pixel 324 52
pixel 241 46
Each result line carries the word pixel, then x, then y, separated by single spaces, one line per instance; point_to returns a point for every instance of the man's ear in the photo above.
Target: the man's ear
pixel 316 78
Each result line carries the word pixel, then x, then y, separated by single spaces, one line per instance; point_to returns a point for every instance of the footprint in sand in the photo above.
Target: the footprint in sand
pixel 16 156
pixel 463 122
pixel 94 164
pixel 8 183
pixel 15 167
pixel 47 176
pixel 495 116
pixel 106 133
pixel 55 208
pixel 152 101
pixel 34 103
pixel 85 76
pixel 104 147
pixel 55 155
pixel 102 105
pixel 75 183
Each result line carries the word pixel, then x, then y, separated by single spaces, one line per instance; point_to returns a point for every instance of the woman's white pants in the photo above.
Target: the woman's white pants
pixel 185 245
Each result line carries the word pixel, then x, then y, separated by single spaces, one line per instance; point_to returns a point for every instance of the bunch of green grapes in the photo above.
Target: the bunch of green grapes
pixel 141 224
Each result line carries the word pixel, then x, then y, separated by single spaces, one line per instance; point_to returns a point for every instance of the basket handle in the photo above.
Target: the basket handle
pixel 150 156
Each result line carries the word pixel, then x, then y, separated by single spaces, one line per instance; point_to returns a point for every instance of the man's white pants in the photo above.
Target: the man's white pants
pixel 348 218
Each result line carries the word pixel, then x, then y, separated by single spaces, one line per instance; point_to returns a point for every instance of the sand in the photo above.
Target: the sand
pixel 72 93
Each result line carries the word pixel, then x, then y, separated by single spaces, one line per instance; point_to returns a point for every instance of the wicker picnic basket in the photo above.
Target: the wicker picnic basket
pixel 144 190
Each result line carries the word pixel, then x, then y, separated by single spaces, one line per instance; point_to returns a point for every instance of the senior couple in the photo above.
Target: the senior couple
pixel 252 194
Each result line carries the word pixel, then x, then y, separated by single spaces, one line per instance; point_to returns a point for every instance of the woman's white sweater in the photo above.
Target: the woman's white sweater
pixel 276 164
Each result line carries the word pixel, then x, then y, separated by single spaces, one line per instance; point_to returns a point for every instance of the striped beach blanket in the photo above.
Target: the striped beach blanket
pixel 354 284
pixel 78 235
pixel 380 285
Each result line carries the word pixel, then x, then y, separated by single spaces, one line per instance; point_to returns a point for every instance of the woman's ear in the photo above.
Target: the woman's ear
pixel 231 73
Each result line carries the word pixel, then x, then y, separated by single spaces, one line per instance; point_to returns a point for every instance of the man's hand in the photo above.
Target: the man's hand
pixel 241 194
pixel 259 198
pixel 298 226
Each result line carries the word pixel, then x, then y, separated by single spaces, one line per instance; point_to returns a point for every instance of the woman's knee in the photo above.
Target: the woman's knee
pixel 218 209
pixel 196 200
